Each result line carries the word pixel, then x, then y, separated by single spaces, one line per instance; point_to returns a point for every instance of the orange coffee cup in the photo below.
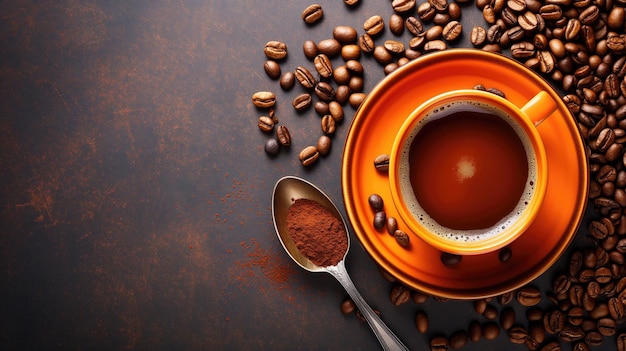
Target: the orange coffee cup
pixel 468 169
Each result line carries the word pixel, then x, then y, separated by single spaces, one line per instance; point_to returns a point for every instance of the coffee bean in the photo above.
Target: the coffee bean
pixel 381 55
pixel 350 52
pixel 419 297
pixel 336 111
pixel 435 45
pixel 553 321
pixel 380 220
pixel 616 308
pixel 449 259
pixel 264 99
pixel 518 334
pixel 275 50
pixel 594 338
pixel 426 11
pixel 394 47
pixel 305 77
pixel 458 339
pixel 348 306
pixel 580 346
pixel 399 295
pixel 381 162
pixel 421 322
pixel 323 65
pixel 310 49
pixel 391 225
pixel 528 295
pixel 283 136
pixel 536 331
pixel 323 145
pixel 356 100
pixel 589 15
pixel 271 146
pixel 474 331
pixel 396 24
pixel 302 101
pixel 376 202
pixel 561 284
pixel 374 25
pixel 308 155
pixel 329 47
pixel 324 91
pixel 603 275
pixel 571 333
pixel 345 34
pixel 607 326
pixel 551 346
pixel 401 6
pixel 439 343
pixel 621 342
pixel 312 14
pixel 528 21
pixel 272 69
pixel 366 43
pixel 507 318
pixel 328 125
pixel 402 238
pixel 575 316
pixel 452 31
pixel 478 35
pixel 490 330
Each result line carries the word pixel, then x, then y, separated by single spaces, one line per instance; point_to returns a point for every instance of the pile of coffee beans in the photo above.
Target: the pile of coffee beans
pixel 580 46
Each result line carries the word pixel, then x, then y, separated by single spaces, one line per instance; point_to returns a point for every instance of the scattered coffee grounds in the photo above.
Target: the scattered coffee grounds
pixel 318 234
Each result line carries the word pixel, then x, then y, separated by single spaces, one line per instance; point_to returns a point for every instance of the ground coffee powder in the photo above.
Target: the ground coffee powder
pixel 317 233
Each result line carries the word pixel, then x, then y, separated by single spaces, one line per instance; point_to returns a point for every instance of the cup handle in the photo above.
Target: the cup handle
pixel 539 108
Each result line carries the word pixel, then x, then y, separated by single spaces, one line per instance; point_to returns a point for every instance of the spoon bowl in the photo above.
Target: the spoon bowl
pixel 286 191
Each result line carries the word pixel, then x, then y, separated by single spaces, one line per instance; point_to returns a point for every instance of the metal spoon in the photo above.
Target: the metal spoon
pixel 286 191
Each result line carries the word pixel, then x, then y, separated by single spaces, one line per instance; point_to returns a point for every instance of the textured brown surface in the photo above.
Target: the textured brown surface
pixel 135 194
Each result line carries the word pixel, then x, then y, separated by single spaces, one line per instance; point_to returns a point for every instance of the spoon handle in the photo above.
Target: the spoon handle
pixel 386 337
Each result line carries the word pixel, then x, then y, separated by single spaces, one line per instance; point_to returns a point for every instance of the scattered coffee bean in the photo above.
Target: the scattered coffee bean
pixel 329 47
pixel 271 146
pixel 310 49
pixel 287 81
pixel 421 322
pixel 490 330
pixel 381 162
pixel 528 295
pixel 283 136
pixel 275 50
pixel 272 68
pixel 380 220
pixel 266 124
pixel 400 295
pixel 402 238
pixel 308 155
pixel 312 14
pixel 392 225
pixel 507 318
pixel 305 77
pixel 374 25
pixel 302 102
pixel 439 343
pixel 264 99
pixel 376 202
pixel 348 306
pixel 458 339
pixel 504 255
pixel 323 145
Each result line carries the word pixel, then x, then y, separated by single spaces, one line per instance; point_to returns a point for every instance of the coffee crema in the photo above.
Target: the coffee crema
pixel 467 171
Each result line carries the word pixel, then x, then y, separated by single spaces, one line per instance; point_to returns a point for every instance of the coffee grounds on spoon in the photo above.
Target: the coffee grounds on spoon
pixel 317 233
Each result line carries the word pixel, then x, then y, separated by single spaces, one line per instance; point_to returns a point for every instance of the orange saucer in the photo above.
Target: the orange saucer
pixel 373 131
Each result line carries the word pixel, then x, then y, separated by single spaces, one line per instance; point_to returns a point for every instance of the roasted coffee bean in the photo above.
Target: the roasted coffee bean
pixel 323 66
pixel 310 49
pixel 345 34
pixel 528 21
pixel 575 316
pixel 265 123
pixel 341 75
pixel 381 55
pixel 551 346
pixel 536 331
pixel 616 17
pixel 394 47
pixel 571 333
pixel 439 343
pixel 528 295
pixel 400 295
pixel 449 259
pixel 601 310
pixel 263 99
pixel 401 6
pixel 348 306
pixel 534 314
pixel 478 35
pixel 272 68
pixel 480 306
pixel 324 91
pixel 589 15
pixel 283 136
pixel 366 43
pixel 350 52
pixel 330 47
pixel 546 61
pixel 323 145
pixel 553 321
pixel 391 225
pixel 328 125
pixel 308 155
pixel 402 238
pixel 305 77
pixel 421 322
pixel 607 326
pixel 561 284
pixel 336 111
pixel 452 31
pixel 435 45
pixel 396 24
pixel 616 308
pixel 507 318
pixel 580 346
pixel 312 14
pixel 381 162
pixel 603 275
pixel 551 12
pixel 417 42
pixel 356 100
pixel 433 32
pixel 321 107
pixel 414 26
pixel 490 330
pixel 621 342
pixel 593 289
pixel 458 339
pixel 376 202
pixel 489 14
pixel 275 50
pixel 287 81
pixel 374 25
pixel 576 295
pixel 518 334
pixel 506 298
pixel 505 254
pixel 302 101
pixel 474 331
pixel 426 11
pixel 594 338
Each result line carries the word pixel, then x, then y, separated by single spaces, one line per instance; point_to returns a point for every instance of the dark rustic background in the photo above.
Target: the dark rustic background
pixel 135 193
